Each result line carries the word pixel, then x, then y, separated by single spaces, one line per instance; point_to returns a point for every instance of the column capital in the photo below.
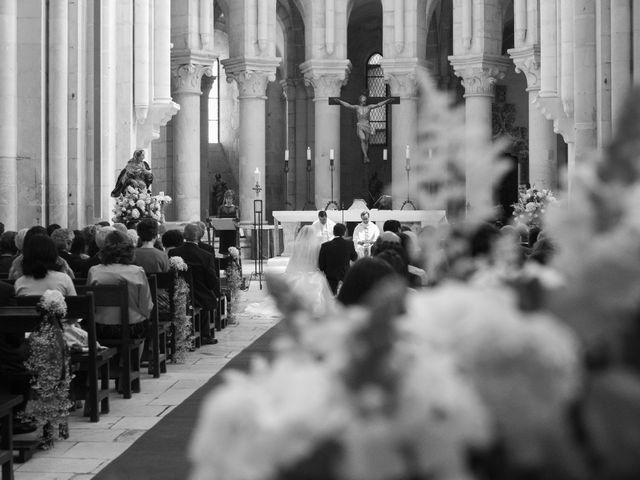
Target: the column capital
pixel 527 61
pixel 401 75
pixel 251 74
pixel 186 77
pixel 326 77
pixel 479 73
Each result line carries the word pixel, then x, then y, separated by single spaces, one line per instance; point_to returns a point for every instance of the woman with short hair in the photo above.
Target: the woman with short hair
pixel 117 264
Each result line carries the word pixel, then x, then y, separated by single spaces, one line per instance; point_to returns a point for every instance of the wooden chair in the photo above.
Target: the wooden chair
pixel 157 336
pixel 127 374
pixel 165 281
pixel 94 362
pixel 7 404
pixel 195 311
pixel 19 320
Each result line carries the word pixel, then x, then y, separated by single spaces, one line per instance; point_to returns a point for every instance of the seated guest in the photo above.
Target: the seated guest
pixel 52 228
pixel 336 256
pixel 133 235
pixel 77 253
pixel 146 255
pixel 393 226
pixel 361 278
pixel 63 237
pixel 172 239
pixel 99 241
pixel 16 267
pixel 117 264
pixel 206 284
pixel 20 239
pixel 8 251
pixel 40 269
pixel 202 229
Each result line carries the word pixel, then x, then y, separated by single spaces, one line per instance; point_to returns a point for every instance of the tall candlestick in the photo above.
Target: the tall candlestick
pixel 331 157
pixel 256 175
pixel 384 154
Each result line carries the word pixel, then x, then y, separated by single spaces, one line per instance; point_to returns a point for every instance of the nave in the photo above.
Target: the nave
pixel 92 447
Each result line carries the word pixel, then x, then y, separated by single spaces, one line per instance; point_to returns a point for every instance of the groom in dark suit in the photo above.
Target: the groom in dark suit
pixel 335 257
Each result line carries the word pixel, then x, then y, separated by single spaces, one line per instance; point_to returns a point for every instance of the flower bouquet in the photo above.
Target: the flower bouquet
pixel 135 204
pixel 532 206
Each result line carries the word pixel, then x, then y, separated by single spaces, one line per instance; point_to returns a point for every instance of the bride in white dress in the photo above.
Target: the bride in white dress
pixel 303 275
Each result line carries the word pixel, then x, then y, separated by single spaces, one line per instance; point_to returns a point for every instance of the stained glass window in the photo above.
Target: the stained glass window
pixel 214 106
pixel 377 88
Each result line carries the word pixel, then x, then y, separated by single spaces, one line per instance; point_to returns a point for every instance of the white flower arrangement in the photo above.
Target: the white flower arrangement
pixel 463 374
pixel 178 264
pixel 52 303
pixel 135 204
pixel 532 206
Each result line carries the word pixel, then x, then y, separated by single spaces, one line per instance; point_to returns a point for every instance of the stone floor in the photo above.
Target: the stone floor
pixel 91 446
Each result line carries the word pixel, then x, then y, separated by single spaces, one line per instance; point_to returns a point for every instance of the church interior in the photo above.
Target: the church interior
pixel 301 106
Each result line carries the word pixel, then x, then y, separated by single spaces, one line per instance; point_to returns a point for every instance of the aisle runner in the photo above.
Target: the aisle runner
pixel 161 453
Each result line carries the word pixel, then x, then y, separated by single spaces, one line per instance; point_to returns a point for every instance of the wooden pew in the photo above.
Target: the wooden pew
pixel 19 320
pixel 7 404
pixel 157 334
pixel 117 295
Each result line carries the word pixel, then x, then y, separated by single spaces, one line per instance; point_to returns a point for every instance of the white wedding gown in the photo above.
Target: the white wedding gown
pixel 305 278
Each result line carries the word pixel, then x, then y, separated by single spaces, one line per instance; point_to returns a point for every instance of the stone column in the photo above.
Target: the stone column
pixel 186 140
pixel 584 79
pixel 252 79
pixel 621 53
pixel 326 78
pixel 289 93
pixel 479 76
pixel 9 123
pixel 301 142
pixel 205 188
pixel 401 78
pixel 58 171
pixel 543 155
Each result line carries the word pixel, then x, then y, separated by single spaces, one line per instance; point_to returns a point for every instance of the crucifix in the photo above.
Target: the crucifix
pixel 364 129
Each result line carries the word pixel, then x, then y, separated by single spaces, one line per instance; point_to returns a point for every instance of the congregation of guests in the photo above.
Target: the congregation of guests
pixel 34 260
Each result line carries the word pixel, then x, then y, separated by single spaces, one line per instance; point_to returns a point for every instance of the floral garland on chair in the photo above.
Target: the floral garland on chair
pixel 182 322
pixel 49 366
pixel 234 281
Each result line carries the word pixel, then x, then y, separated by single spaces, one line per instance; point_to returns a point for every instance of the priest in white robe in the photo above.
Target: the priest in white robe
pixel 364 235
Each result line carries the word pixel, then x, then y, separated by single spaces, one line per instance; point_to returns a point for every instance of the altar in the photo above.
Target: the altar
pixel 290 220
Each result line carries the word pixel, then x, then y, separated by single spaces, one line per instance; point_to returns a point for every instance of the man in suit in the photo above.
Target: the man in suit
pixel 335 257
pixel 206 284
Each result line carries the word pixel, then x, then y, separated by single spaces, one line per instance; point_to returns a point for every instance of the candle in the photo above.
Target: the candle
pixel 256 174
pixel 384 154
pixel 308 154
pixel 331 157
pixel 286 154
pixel 161 194
pixel 407 153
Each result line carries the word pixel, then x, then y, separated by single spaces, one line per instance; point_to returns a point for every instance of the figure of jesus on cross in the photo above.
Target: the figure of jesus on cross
pixel 364 129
